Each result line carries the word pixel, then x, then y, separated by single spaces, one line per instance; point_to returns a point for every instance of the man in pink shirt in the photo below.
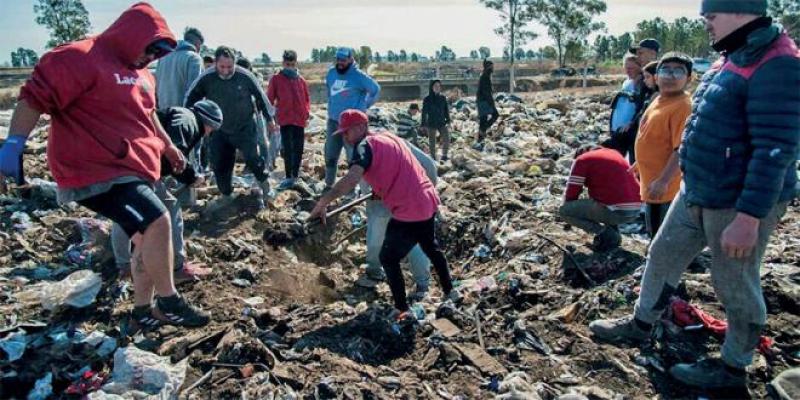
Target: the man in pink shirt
pixel 385 162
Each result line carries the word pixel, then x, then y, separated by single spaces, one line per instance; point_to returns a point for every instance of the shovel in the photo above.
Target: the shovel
pixel 346 207
pixel 280 238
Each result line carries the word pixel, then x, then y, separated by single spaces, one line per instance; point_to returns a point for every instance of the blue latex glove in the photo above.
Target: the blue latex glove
pixel 11 157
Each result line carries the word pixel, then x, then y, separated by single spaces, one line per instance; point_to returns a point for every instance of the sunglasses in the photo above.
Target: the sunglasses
pixel 675 73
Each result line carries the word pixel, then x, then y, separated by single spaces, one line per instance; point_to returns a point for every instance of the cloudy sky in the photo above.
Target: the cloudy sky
pixel 254 26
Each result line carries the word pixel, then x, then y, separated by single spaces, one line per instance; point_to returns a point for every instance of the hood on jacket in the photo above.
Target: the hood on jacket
pixel 134 30
pixel 184 45
pixel 430 86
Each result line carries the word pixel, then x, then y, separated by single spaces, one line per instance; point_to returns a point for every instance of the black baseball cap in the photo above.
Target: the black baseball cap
pixel 677 57
pixel 648 43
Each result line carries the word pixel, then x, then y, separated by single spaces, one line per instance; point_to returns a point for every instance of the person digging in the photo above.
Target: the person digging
pixel 386 163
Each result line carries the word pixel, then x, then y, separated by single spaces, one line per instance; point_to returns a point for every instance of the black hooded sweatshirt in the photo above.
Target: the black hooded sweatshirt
pixel 435 110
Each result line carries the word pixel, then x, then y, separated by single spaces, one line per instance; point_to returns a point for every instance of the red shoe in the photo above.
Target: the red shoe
pixel 191 272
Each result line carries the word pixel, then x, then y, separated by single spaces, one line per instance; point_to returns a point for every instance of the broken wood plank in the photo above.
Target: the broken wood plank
pixel 481 359
pixel 447 328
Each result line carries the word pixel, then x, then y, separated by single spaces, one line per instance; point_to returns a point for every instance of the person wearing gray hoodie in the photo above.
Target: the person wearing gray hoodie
pixel 176 72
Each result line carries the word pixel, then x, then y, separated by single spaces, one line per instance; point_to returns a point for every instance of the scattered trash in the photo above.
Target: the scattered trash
pixel 141 373
pixel 43 388
pixel 78 290
pixel 14 345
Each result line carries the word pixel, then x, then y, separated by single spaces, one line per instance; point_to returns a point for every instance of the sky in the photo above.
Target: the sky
pixel 256 26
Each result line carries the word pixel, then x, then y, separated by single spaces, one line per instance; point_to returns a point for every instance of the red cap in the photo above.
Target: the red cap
pixel 350 118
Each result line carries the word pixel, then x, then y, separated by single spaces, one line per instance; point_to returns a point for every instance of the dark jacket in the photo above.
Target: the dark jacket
pixel 435 110
pixel 235 96
pixel 185 131
pixel 741 143
pixel 485 95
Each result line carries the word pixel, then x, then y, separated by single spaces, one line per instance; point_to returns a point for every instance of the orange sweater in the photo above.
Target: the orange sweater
pixel 660 134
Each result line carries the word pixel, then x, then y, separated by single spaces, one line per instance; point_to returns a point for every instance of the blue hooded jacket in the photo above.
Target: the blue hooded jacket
pixel 353 89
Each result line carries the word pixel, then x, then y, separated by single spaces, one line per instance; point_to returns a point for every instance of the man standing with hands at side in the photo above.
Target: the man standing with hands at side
pixel 738 158
pixel 386 163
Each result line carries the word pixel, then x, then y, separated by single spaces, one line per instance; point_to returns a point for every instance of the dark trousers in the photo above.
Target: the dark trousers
pixel 485 122
pixel 654 215
pixel 293 139
pixel 223 158
pixel 401 237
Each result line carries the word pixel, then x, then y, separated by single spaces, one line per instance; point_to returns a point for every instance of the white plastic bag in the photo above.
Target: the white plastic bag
pixel 78 290
pixel 139 374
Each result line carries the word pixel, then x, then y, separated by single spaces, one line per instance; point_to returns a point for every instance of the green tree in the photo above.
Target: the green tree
pixel 484 52
pixel 66 20
pixel 364 56
pixel 378 57
pixel 24 58
pixel 515 16
pixel 569 21
pixel 530 54
pixel 391 56
pixel 402 56
pixel 787 12
pixel 414 57
pixel 265 58
pixel 519 54
pixel 549 53
pixel 445 54
pixel 473 54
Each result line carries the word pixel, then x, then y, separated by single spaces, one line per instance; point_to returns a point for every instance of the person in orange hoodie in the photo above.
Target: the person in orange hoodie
pixel 660 134
pixel 105 146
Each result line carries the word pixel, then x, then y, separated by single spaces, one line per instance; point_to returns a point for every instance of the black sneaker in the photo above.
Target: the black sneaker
pixel 710 373
pixel 144 319
pixel 618 330
pixel 176 311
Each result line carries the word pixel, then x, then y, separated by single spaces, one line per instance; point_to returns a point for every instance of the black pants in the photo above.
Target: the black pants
pixel 401 237
pixel 223 157
pixel 654 217
pixel 485 122
pixel 293 139
pixel 134 206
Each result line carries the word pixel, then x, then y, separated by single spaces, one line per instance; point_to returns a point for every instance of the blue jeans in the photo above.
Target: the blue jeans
pixel 121 243
pixel 378 217
pixel 333 150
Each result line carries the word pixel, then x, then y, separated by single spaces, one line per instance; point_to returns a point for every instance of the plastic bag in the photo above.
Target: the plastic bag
pixel 140 374
pixel 78 290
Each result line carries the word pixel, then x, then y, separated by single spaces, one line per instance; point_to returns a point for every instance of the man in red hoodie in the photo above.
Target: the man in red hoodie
pixel 105 145
pixel 288 92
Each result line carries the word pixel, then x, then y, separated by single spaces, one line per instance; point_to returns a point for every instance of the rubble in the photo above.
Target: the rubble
pixel 289 321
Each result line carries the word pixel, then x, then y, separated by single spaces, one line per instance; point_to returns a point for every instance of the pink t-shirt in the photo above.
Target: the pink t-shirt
pixel 396 177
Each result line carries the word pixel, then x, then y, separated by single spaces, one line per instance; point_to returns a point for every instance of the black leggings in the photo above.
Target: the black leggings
pixel 134 206
pixel 293 139
pixel 401 237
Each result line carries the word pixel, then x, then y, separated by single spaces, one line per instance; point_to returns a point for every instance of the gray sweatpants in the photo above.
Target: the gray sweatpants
pixel 333 150
pixel 592 216
pixel 121 243
pixel 686 231
pixel 378 217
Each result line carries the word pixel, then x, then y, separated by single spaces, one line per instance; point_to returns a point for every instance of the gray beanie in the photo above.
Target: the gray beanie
pixel 209 113
pixel 755 7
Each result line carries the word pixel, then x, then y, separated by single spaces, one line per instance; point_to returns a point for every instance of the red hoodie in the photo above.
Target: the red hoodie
pixel 101 126
pixel 291 98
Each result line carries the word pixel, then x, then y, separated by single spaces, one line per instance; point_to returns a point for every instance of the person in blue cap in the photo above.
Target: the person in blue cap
pixel 348 88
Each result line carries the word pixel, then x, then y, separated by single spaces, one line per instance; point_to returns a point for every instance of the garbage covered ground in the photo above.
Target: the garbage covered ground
pixel 289 321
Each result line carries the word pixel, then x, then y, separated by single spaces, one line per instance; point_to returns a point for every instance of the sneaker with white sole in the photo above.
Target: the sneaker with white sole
pixel 175 310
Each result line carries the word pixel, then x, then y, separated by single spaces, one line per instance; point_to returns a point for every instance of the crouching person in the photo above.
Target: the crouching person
pixel 613 195
pixel 186 128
